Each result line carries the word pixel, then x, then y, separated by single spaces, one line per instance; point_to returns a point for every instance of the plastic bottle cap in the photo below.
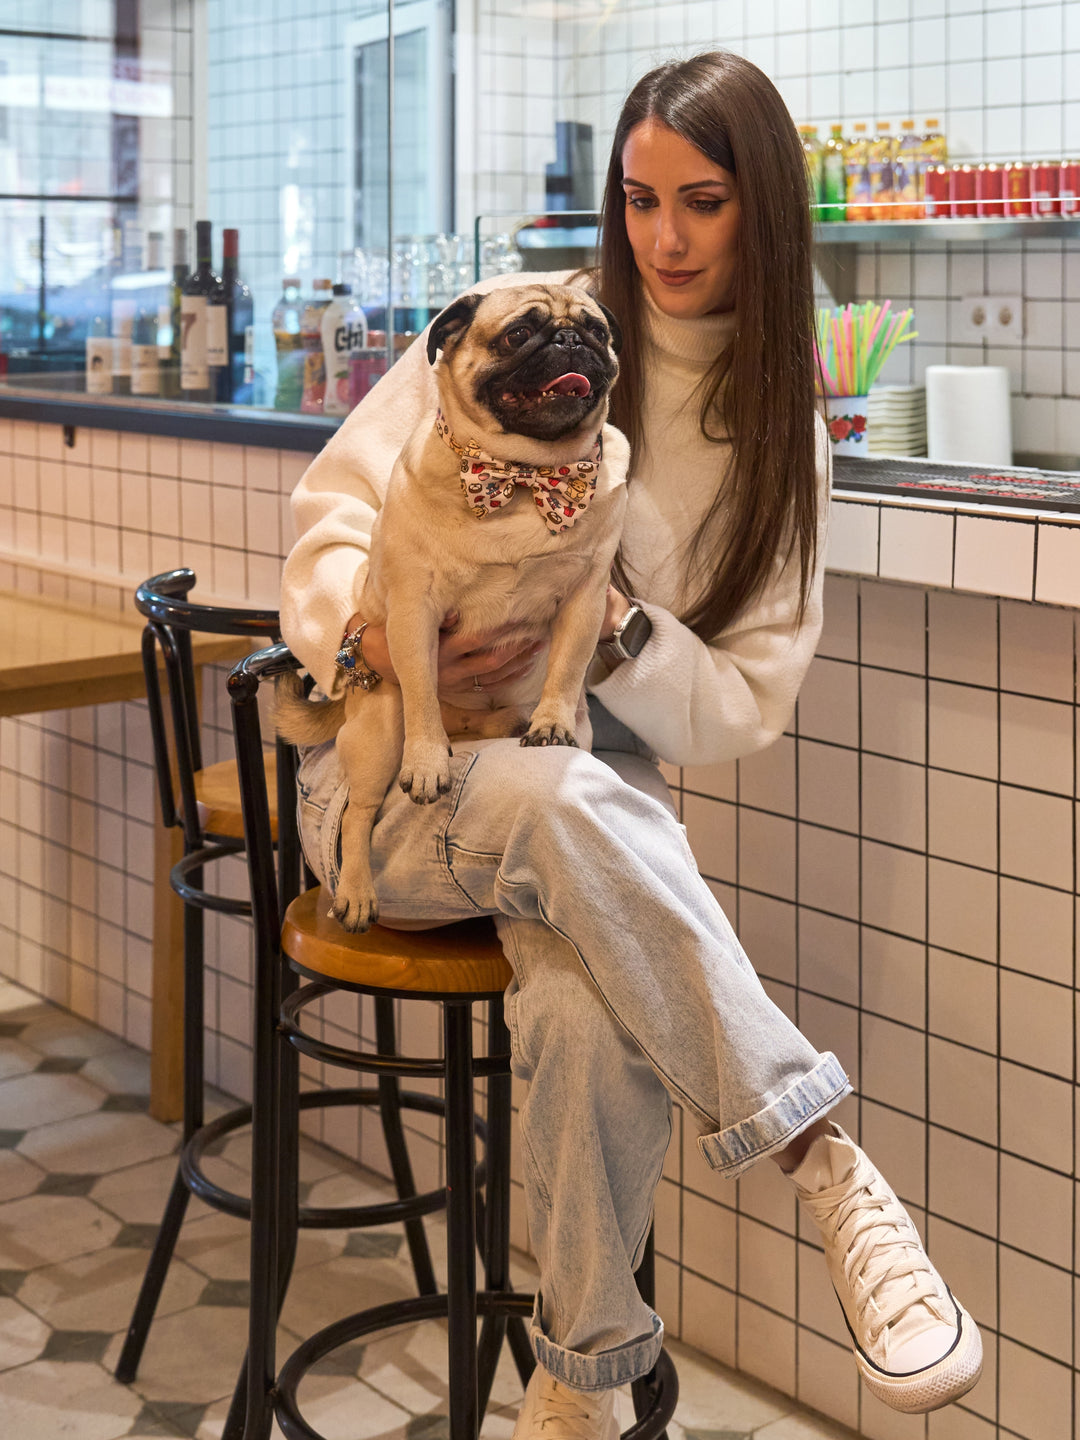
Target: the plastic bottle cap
pixel 322 284
pixel 290 280
pixel 907 124
pixel 340 289
pixel 860 126
pixel 884 125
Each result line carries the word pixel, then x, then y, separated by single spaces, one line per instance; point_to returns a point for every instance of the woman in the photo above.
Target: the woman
pixel 706 260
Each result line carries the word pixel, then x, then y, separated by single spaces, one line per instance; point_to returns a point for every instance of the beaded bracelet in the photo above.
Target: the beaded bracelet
pixel 350 661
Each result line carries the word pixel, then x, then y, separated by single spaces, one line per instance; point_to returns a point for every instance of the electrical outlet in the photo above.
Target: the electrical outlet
pixel 997 318
pixel 975 318
pixel 1006 316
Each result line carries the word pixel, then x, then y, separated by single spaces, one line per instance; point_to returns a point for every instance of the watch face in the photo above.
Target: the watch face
pixel 636 631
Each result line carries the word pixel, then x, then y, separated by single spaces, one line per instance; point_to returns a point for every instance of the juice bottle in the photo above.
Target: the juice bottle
pixel 882 173
pixel 908 175
pixel 314 395
pixel 934 151
pixel 290 353
pixel 814 152
pixel 857 173
pixel 833 177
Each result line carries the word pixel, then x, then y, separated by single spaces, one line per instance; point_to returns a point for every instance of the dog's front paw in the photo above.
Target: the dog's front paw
pixel 355 912
pixel 548 734
pixel 425 772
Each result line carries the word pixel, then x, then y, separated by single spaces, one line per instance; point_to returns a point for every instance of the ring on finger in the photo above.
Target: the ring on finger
pixel 476 684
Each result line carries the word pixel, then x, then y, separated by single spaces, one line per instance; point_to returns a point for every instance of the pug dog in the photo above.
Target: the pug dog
pixel 505 509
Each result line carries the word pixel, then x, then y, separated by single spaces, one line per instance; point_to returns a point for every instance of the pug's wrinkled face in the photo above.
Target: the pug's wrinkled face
pixel 538 359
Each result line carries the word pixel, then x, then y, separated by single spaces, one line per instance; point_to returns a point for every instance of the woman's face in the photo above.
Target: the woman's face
pixel 682 219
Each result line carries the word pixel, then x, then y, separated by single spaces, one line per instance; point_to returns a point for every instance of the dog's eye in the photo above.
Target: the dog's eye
pixel 515 338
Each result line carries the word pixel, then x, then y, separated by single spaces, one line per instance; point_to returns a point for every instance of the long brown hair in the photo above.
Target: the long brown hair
pixel 759 393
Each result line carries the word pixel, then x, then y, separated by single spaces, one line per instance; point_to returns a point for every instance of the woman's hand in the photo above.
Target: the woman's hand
pixel 614 611
pixel 461 663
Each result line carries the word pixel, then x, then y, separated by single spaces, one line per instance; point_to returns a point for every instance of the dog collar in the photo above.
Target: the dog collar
pixel 562 492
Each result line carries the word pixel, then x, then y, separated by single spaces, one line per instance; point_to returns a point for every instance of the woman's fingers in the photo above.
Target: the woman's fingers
pixel 489 667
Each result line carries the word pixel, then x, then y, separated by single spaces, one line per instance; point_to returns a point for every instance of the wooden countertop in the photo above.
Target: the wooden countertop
pixel 54 655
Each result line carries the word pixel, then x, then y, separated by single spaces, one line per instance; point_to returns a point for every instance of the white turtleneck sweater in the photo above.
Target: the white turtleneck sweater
pixel 693 703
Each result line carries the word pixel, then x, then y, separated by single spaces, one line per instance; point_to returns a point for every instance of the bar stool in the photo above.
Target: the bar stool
pixel 458 966
pixel 204 803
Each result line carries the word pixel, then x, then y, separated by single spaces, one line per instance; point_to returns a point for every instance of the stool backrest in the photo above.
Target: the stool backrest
pixel 171 619
pixel 270 893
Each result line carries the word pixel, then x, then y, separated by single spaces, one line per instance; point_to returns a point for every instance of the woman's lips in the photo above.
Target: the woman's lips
pixel 675 278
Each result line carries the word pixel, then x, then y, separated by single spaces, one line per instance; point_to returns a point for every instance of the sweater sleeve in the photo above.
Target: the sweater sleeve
pixel 701 704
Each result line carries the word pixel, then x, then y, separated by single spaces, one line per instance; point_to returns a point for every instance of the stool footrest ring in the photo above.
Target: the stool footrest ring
pixel 313 1217
pixel 663 1380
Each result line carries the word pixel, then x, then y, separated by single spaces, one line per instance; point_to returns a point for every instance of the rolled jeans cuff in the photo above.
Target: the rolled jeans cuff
pixel 607 1369
pixel 735 1149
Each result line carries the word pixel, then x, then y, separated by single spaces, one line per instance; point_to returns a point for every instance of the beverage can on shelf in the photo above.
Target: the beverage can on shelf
pixel 962 200
pixel 1017 188
pixel 936 193
pixel 1044 188
pixel 989 190
pixel 1069 188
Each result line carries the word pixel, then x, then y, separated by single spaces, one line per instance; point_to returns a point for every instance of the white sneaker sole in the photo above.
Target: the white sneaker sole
pixel 936 1385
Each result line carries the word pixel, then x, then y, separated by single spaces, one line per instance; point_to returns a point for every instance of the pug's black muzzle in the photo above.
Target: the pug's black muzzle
pixel 548 387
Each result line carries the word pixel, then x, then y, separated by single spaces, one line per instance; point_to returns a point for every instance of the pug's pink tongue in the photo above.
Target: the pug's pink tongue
pixel 568 385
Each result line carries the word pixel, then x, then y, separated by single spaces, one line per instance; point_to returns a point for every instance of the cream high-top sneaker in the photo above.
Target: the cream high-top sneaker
pixel 915 1345
pixel 552 1411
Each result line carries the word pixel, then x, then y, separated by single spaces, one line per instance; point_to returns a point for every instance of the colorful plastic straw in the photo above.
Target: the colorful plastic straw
pixel 852 345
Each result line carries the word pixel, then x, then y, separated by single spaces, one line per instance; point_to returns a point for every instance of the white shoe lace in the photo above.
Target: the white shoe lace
pixel 562 1413
pixel 881 1246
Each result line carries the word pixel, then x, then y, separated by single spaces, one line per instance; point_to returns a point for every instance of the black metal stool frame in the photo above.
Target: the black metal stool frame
pixel 171 619
pixel 280 1005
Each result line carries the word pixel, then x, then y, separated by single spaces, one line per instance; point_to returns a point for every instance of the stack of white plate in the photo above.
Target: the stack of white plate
pixel 896 420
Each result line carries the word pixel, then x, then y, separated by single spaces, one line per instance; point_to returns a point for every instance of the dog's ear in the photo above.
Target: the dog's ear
pixel 454 318
pixel 613 326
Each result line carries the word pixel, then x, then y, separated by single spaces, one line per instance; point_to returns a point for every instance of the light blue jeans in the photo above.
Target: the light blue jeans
pixel 629 988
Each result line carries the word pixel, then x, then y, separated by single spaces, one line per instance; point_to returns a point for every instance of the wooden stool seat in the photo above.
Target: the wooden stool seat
pixel 459 959
pixel 217 789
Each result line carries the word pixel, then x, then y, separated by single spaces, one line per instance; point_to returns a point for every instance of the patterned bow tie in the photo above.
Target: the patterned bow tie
pixel 562 492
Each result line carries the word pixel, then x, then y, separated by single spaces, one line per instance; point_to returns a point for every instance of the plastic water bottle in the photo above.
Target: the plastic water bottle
pixel 290 352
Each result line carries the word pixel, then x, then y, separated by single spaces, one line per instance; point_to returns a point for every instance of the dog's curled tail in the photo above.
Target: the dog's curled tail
pixel 302 721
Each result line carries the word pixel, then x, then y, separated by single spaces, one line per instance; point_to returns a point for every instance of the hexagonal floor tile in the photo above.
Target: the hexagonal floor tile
pixel 120 1072
pixel 29 1100
pixel 23 1335
pixel 18 1176
pixel 54 1032
pixel 77 1146
pixel 47 1229
pixel 16 1058
pixel 98 1291
pixel 54 1397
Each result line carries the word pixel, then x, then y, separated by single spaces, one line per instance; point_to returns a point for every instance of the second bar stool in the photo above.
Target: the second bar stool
pixel 204 802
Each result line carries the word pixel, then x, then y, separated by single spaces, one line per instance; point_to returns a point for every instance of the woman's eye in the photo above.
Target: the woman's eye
pixel 516 338
pixel 641 202
pixel 706 207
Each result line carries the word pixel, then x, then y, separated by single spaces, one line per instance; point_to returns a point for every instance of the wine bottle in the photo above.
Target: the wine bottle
pixel 170 359
pixel 121 316
pixel 230 345
pixel 194 302
pixel 146 331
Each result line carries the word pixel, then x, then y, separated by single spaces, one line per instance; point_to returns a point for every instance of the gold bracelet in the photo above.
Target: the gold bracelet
pixel 350 661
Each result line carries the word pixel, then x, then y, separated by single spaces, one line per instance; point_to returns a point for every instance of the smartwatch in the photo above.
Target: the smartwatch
pixel 629 637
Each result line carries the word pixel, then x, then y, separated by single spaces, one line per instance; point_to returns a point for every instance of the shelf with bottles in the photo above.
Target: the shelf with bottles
pixel 859 232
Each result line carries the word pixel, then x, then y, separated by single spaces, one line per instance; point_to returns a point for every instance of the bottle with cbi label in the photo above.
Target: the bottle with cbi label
pixel 194 302
pixel 344 334
pixel 230 331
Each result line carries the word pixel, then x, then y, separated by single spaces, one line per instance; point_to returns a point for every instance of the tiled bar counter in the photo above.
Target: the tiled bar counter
pixel 901 867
